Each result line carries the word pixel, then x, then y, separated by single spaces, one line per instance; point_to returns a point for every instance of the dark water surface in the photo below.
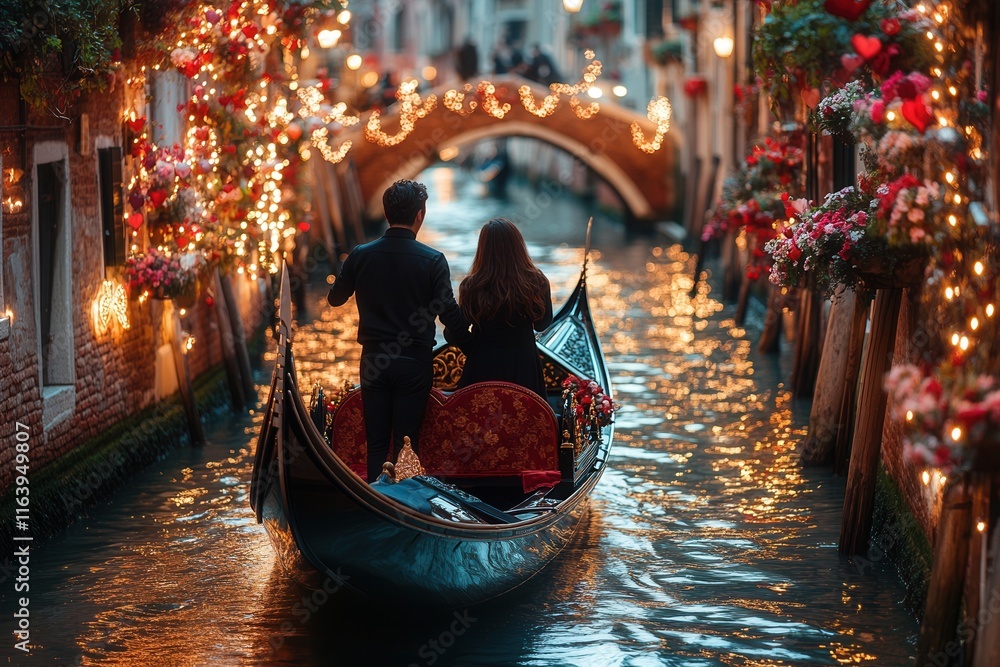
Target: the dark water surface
pixel 707 544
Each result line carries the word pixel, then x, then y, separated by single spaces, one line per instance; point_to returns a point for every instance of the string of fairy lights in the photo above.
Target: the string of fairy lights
pixel 206 200
pixel 412 107
pixel 962 288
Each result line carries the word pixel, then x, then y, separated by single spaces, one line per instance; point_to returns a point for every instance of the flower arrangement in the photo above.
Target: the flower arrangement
pixel 809 46
pixel 666 51
pixel 825 243
pixel 948 416
pixel 162 275
pixel 905 210
pixel 586 410
pixel 605 22
pixel 695 86
pixel 754 197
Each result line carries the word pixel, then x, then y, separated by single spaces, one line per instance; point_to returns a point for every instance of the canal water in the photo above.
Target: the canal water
pixel 707 543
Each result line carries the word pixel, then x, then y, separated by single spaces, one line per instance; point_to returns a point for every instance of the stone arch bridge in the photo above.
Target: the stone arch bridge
pixel 645 182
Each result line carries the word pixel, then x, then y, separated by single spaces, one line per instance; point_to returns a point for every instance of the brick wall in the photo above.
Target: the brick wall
pixel 115 369
pixel 922 500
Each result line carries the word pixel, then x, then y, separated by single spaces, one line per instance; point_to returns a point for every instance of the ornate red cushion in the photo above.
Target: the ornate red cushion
pixel 484 430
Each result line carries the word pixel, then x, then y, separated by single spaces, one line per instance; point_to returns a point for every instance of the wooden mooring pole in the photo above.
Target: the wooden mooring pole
pixel 824 416
pixel 988 624
pixel 936 645
pixel 859 502
pixel 183 369
pixel 770 337
pixel 806 358
pixel 852 369
pixel 228 345
pixel 239 340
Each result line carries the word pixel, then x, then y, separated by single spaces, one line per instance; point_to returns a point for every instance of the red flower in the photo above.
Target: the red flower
pixel 890 26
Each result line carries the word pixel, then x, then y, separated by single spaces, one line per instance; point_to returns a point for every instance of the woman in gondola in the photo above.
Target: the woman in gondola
pixel 507 298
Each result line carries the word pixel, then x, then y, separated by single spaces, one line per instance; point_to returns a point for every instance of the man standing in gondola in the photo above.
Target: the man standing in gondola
pixel 402 286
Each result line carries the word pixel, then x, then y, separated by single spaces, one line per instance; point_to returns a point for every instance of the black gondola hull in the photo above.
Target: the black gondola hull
pixel 340 535
pixel 331 530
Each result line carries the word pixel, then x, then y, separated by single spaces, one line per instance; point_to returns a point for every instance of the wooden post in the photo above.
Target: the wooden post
pixel 745 285
pixel 975 580
pixel 324 217
pixel 988 632
pixel 184 381
pixel 824 416
pixel 233 378
pixel 845 431
pixel 770 337
pixel 732 268
pixel 944 590
pixel 805 361
pixel 240 340
pixel 856 526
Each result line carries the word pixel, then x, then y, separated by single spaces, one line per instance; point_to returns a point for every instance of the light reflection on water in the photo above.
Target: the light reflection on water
pixel 707 544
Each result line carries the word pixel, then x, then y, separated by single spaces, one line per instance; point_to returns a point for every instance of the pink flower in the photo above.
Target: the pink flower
pixel 877 111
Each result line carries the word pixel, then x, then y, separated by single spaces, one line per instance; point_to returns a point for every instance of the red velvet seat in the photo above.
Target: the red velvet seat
pixel 490 429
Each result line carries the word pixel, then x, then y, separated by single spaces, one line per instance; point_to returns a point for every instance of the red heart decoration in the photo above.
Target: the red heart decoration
pixel 136 200
pixel 847 9
pixel 157 197
pixel 135 221
pixel 810 96
pixel 137 124
pixel 917 113
pixel 851 61
pixel 201 133
pixel 867 47
pixel 250 30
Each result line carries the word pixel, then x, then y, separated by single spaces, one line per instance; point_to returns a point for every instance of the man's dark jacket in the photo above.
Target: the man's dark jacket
pixel 402 285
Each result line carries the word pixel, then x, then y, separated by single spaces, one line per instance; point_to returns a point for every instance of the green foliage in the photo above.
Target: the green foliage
pixel 800 45
pixel 56 48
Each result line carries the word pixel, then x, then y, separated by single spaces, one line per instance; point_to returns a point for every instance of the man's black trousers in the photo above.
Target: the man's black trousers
pixel 394 391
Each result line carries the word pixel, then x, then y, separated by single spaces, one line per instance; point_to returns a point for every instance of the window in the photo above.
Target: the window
pixel 109 180
pixel 4 320
pixel 52 266
pixel 654 19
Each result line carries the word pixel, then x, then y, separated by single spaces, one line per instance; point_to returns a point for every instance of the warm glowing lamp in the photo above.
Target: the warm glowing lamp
pixel 620 91
pixel 572 6
pixel 723 46
pixel 353 61
pixel 328 39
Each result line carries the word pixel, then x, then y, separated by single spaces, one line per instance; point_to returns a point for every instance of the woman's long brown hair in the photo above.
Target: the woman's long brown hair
pixel 503 282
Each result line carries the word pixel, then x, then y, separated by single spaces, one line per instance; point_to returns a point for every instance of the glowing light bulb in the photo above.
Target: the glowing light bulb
pixel 978 268
pixel 963 343
pixel 954 339
pixel 595 92
pixel 353 61
pixel 974 323
pixel 925 477
pixel 620 91
pixel 981 526
pixel 956 433
pixel 909 415
pixel 890 115
pixel 989 310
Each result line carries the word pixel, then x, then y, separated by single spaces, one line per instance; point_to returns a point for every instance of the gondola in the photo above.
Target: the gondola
pixel 448 538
